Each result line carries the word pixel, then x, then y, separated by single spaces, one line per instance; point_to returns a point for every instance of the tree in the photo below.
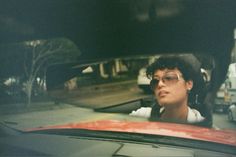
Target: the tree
pixel 40 54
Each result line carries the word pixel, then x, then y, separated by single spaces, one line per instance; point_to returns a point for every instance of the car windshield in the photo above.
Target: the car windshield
pixel 61 73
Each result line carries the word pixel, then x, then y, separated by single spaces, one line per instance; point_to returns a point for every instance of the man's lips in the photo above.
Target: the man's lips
pixel 162 93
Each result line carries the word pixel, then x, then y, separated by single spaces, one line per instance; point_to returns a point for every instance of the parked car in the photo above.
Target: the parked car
pixel 226 95
pixel 232 112
pixel 222 100
pixel 143 81
pixel 220 105
pixel 59 39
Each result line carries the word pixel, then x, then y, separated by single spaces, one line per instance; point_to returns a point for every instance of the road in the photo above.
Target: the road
pixel 221 121
pixel 80 108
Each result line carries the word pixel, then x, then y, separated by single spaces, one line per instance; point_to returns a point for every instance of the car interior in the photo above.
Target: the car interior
pixel 105 30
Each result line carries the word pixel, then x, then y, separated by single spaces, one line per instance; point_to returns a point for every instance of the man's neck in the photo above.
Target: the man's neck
pixel 179 113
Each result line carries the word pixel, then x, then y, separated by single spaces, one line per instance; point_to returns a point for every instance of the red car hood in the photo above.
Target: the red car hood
pixel 154 128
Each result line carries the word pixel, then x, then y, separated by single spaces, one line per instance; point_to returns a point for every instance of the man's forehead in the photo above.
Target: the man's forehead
pixel 165 71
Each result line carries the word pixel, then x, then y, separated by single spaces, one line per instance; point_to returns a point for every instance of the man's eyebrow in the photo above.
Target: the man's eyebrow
pixel 170 71
pixel 156 76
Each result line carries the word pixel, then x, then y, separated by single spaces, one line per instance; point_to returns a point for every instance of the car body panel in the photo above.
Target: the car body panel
pixel 154 128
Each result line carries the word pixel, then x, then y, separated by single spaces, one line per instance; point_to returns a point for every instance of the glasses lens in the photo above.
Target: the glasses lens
pixel 170 79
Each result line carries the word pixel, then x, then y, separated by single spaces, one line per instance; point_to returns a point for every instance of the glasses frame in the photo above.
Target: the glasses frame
pixel 157 81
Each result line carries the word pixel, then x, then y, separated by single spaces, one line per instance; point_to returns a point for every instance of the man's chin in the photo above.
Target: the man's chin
pixel 164 103
pixel 163 100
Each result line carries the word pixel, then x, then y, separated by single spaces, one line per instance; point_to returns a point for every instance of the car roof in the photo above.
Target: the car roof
pixel 105 28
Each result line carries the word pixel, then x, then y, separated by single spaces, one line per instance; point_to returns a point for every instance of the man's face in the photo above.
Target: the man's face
pixel 170 88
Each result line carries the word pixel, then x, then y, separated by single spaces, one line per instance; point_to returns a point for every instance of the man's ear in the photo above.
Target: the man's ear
pixel 189 84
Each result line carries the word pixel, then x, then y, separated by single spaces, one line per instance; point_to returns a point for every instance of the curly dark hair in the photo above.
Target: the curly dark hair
pixel 172 62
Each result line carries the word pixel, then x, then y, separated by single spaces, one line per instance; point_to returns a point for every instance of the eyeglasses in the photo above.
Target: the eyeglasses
pixel 168 79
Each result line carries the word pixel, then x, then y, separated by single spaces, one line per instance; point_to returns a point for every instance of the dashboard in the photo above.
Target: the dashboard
pixel 35 144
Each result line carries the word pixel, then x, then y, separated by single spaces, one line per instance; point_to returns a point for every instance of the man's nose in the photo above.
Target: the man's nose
pixel 160 83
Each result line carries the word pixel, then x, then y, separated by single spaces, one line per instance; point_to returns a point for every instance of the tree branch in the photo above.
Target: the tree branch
pixel 25 66
pixel 48 52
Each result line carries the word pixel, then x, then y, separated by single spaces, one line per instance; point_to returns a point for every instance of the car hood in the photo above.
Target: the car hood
pixel 153 128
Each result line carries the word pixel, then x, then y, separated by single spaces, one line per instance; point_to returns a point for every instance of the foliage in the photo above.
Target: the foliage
pixel 42 53
pixel 33 59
